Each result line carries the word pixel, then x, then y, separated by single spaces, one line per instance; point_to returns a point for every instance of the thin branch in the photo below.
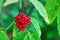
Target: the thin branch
pixel 20 4
pixel 9 26
pixel 20 9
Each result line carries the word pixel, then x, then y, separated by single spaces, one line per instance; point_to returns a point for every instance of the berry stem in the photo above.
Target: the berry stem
pixel 20 4
pixel 20 9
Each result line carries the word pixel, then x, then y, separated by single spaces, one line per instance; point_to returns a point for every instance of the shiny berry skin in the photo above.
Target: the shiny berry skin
pixel 22 21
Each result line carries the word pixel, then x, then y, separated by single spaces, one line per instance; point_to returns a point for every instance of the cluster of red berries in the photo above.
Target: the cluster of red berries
pixel 22 21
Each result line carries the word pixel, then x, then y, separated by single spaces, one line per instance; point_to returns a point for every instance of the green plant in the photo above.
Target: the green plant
pixel 44 23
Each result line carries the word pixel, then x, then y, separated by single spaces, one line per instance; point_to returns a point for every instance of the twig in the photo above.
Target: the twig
pixel 20 9
pixel 20 4
pixel 9 26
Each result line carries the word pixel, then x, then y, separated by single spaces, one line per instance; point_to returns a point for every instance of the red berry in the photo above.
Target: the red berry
pixel 22 21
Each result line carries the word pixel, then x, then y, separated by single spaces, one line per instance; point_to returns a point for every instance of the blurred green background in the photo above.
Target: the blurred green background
pixel 48 31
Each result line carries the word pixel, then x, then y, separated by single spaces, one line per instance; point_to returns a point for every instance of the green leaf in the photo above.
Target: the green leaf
pixel 36 26
pixel 34 35
pixel 15 29
pixel 38 17
pixel 27 35
pixel 58 21
pixel 30 36
pixel 58 2
pixel 20 35
pixel 51 7
pixel 40 9
pixel 3 29
pixel 10 2
pixel 3 36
